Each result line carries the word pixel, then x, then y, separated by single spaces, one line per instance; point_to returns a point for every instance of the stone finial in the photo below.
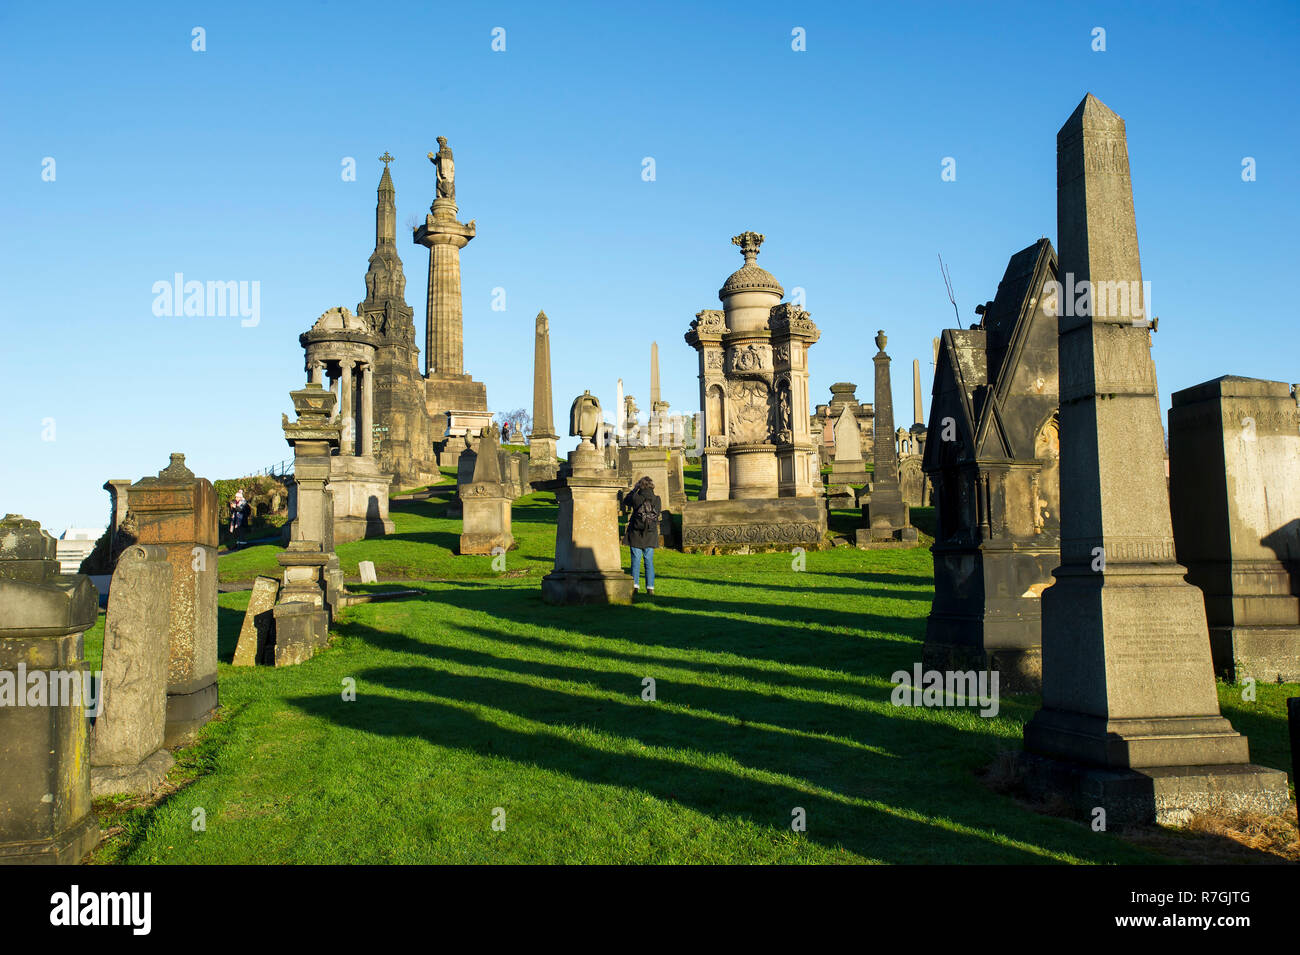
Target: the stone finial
pixel 176 471
pixel 386 158
pixel 543 323
pixel 881 339
pixel 749 243
pixel 585 416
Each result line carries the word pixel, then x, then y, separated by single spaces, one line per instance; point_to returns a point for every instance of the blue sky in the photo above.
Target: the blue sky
pixel 226 165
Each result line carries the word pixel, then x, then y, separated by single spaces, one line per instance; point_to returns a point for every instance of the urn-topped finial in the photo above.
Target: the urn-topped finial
pixel 881 339
pixel 749 243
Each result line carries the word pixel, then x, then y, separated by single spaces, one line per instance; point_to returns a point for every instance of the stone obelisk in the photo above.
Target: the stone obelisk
pixel 542 464
pixel 887 515
pixel 916 393
pixel 1127 679
pixel 456 403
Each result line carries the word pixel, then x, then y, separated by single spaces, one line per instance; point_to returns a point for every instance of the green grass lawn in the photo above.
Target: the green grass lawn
pixel 772 695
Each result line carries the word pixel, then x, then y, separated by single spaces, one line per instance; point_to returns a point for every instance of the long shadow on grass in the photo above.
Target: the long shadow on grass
pixel 872 832
pixel 812 587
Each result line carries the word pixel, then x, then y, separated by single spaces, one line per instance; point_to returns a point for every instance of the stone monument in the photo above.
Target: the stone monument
pixel 1234 493
pixel 485 501
pixel 542 454
pixel 402 431
pixel 887 515
pixel 456 403
pixel 341 346
pixel 256 642
pixel 178 511
pixel 312 584
pixel 126 743
pixel 1130 718
pixel 588 562
pixel 993 463
pixel 761 487
pixel 45 813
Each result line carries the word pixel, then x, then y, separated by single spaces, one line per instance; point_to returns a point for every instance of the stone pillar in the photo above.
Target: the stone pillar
pixel 887 515
pixel 366 371
pixel 1234 494
pixel 542 444
pixel 1130 717
pixel 178 511
pixel 45 812
pixel 126 745
pixel 315 372
pixel 588 561
pixel 347 413
pixel 917 410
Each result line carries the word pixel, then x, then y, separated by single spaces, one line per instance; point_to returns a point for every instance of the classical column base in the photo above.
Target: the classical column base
pixel 68 847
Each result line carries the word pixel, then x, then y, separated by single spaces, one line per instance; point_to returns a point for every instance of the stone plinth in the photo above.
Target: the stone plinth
pixel 1234 490
pixel 178 511
pixel 753 526
pixel 45 814
pixel 360 493
pixel 1128 684
pixel 588 561
pixel 126 751
pixel 302 610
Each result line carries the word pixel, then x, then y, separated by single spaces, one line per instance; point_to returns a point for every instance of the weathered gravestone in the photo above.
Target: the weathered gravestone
pixel 178 511
pixel 367 570
pixel 126 743
pixel 45 813
pixel 1234 489
pixel 257 633
pixel 588 562
pixel 485 502
pixel 1130 717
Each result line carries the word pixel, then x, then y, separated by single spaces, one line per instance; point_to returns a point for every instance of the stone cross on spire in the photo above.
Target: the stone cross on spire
pixel 386 159
pixel 749 243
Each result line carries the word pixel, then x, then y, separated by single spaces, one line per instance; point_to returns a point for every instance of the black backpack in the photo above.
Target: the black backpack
pixel 646 515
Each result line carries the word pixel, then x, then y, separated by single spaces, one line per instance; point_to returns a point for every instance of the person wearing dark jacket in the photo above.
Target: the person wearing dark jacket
pixel 643 532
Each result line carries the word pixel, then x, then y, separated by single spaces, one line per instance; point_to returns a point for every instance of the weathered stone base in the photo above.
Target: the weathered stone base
pixel 67 848
pixel 138 779
pixel 1020 670
pixel 587 587
pixel 360 528
pixel 1269 654
pixel 1136 743
pixel 300 628
pixel 486 543
pixel 1166 795
pixel 754 525
pixel 907 537
pixel 187 713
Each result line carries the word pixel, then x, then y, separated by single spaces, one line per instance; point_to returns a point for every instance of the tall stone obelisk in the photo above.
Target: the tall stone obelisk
pixel 917 410
pixel 542 464
pixel 1127 679
pixel 456 403
pixel 887 515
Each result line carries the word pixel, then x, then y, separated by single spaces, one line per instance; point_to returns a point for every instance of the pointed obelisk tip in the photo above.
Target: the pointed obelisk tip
pixel 1092 113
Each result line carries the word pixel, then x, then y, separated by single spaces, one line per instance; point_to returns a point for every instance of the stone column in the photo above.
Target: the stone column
pixel 316 371
pixel 444 344
pixel 45 812
pixel 917 410
pixel 1130 716
pixel 347 413
pixel 542 446
pixel 178 511
pixel 366 371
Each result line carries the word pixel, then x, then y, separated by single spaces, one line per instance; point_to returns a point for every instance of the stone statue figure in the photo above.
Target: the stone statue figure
pixel 445 167
pixel 585 416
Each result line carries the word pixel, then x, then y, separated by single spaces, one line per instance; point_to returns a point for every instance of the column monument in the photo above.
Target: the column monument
pixel 542 464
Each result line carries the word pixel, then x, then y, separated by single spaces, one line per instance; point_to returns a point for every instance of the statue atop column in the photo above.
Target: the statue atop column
pixel 445 167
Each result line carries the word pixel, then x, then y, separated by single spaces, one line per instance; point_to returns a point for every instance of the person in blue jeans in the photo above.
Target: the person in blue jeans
pixel 643 532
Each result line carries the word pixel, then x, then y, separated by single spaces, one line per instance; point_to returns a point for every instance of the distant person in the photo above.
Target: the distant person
pixel 643 532
pixel 239 513
pixel 505 433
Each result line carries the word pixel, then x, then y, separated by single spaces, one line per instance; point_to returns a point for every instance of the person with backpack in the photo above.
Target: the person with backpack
pixel 643 532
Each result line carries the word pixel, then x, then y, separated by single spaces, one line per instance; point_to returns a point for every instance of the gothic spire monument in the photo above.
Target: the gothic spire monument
pixel 1130 718
pixel 457 404
pixel 403 441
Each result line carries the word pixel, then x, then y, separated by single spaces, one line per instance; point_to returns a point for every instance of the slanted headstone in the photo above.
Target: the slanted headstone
pixel 257 634
pixel 367 570
pixel 1130 717
pixel 126 744
pixel 45 813
pixel 178 511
